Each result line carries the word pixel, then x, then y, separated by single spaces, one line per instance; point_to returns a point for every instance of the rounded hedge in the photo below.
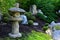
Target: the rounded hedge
pixel 30 22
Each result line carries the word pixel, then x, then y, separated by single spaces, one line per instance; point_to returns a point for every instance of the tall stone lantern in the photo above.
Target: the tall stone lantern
pixel 15 18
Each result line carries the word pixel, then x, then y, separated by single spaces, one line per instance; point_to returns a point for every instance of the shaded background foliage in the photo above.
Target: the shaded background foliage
pixel 4 6
pixel 45 5
pixel 49 7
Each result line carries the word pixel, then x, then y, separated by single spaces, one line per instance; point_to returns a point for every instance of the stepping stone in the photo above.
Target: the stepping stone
pixel 56 35
pixel 35 23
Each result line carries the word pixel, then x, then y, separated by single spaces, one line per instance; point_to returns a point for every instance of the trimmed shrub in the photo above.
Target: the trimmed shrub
pixel 30 22
pixel 30 16
pixel 46 24
pixel 45 28
pixel 33 18
pixel 41 16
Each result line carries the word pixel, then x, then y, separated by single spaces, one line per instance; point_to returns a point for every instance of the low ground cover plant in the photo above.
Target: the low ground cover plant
pixel 57 27
pixel 31 36
pixel 45 27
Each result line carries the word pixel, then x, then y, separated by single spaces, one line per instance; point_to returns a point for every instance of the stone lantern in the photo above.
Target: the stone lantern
pixel 15 18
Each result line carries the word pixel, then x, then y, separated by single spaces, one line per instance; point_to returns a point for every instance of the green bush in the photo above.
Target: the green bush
pixel 6 17
pixel 30 22
pixel 4 6
pixel 30 16
pixel 48 7
pixel 41 16
pixel 57 27
pixel 46 24
pixel 45 28
pixel 33 18
pixel 48 19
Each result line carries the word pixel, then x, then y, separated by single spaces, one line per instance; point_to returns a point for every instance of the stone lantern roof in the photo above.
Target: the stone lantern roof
pixel 17 9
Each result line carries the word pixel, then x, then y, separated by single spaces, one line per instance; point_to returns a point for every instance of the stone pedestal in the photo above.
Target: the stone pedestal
pixel 15 30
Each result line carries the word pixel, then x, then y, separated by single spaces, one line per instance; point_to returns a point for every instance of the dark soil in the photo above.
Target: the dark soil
pixel 58 20
pixel 6 28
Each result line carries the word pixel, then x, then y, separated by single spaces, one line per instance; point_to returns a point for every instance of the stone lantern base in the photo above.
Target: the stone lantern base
pixel 15 35
pixel 15 30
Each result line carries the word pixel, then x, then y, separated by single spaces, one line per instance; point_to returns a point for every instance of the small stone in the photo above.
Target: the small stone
pixel 45 16
pixel 59 11
pixel 24 19
pixel 35 23
pixel 39 11
pixel 48 31
pixel 52 24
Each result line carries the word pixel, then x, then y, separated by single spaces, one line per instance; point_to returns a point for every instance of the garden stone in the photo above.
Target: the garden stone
pixel 24 19
pixel 48 31
pixel 39 11
pixel 52 24
pixel 55 33
pixel 59 11
pixel 33 9
pixel 35 23
pixel 15 18
pixel 45 16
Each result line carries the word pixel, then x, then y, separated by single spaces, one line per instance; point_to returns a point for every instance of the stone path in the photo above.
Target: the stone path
pixel 56 35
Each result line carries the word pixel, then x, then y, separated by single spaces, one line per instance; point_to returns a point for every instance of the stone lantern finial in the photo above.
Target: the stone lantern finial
pixel 17 5
pixel 16 8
